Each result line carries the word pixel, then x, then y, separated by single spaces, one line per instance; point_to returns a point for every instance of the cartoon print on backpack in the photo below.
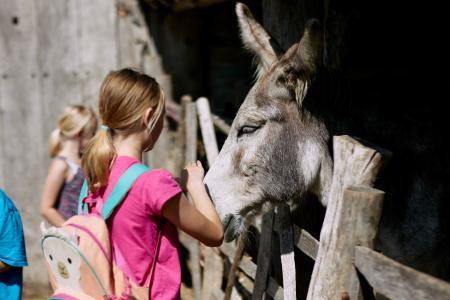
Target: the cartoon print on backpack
pixel 62 258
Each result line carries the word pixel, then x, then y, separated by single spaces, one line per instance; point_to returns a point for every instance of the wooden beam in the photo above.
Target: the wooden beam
pixel 274 289
pixel 174 112
pixel 207 129
pixel 284 223
pixel 306 242
pixel 397 281
pixel 237 260
pixel 221 124
pixel 190 119
pixel 351 219
pixel 264 256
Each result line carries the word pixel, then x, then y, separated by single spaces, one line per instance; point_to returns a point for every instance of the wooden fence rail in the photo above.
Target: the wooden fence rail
pixel 346 239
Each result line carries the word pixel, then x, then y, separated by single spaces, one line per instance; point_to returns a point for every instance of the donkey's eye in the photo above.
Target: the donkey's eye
pixel 247 130
pixel 69 260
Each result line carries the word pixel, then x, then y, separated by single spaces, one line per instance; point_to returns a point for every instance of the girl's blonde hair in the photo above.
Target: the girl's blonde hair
pixel 125 95
pixel 74 120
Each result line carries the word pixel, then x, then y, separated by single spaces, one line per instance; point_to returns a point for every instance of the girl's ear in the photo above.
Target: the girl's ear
pixel 148 114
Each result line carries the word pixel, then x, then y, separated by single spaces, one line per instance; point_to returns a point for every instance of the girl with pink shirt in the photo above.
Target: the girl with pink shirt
pixel 131 108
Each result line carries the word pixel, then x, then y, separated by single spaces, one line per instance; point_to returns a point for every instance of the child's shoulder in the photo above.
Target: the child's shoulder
pixel 157 174
pixel 58 164
pixel 158 178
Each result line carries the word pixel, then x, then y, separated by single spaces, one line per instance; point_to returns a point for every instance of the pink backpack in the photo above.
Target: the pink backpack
pixel 78 254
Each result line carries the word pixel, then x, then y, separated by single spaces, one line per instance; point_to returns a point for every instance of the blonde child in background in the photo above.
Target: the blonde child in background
pixel 131 107
pixel 76 126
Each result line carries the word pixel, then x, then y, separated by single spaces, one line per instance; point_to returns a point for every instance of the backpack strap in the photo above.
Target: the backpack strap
pixel 122 187
pixel 83 194
pixel 119 191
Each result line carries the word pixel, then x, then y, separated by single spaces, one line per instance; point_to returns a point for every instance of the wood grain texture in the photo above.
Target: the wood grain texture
pixel 191 155
pixel 264 256
pixel 207 129
pixel 283 219
pixel 397 281
pixel 306 242
pixel 351 219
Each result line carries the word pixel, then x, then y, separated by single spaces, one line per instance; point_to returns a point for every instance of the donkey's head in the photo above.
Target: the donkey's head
pixel 277 148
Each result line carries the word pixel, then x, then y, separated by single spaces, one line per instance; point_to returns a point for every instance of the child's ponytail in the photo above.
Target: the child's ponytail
pixel 54 143
pixel 75 119
pixel 97 159
pixel 125 96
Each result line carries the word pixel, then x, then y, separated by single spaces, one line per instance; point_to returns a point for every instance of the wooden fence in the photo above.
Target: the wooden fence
pixel 343 256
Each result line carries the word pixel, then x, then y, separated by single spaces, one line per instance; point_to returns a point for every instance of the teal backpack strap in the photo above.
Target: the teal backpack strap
pixel 83 194
pixel 122 187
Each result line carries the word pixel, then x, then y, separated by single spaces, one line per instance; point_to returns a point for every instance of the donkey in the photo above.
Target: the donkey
pixel 279 150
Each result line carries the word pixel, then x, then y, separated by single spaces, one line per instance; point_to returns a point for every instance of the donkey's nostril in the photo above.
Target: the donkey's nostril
pixel 233 225
pixel 227 221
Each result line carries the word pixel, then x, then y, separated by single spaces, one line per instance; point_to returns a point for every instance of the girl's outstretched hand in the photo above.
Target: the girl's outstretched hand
pixel 197 218
pixel 192 176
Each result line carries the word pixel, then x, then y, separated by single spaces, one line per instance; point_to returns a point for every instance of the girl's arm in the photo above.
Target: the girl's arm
pixel 199 220
pixel 52 186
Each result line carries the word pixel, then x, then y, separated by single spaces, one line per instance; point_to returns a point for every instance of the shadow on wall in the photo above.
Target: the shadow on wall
pixel 202 51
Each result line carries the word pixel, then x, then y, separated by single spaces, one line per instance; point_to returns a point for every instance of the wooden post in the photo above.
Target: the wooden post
pixel 234 268
pixel 283 222
pixel 207 129
pixel 397 281
pixel 213 268
pixel 264 256
pixel 351 218
pixel 190 119
pixel 182 135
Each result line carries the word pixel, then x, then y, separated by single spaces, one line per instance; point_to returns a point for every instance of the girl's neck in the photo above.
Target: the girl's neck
pixel 70 149
pixel 130 145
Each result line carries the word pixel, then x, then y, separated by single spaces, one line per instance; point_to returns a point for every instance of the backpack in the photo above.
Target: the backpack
pixel 78 254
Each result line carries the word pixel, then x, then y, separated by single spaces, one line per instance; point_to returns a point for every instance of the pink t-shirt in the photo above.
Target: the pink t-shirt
pixel 133 228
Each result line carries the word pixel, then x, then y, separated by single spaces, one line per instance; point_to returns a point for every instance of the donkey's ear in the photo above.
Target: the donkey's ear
pixel 255 38
pixel 307 55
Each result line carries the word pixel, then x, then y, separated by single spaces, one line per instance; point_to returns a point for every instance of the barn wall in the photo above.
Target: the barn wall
pixel 54 53
pixel 202 50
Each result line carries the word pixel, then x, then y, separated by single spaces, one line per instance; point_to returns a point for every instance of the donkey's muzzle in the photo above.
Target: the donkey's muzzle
pixel 232 226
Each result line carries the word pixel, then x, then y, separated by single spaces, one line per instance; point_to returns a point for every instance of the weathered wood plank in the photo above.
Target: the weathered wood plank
pixel 264 255
pixel 306 242
pixel 221 124
pixel 284 223
pixel 351 218
pixel 246 282
pixel 274 289
pixel 175 114
pixel 217 294
pixel 213 268
pixel 191 132
pixel 227 249
pixel 207 129
pixel 212 273
pixel 236 262
pixel 398 281
pixel 190 120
